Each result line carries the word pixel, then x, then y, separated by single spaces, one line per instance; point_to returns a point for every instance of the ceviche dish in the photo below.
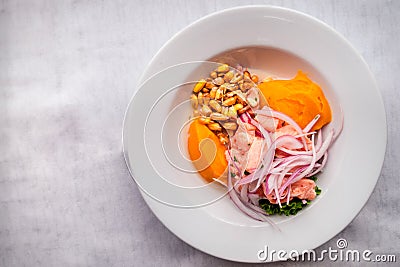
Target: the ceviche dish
pixel 261 137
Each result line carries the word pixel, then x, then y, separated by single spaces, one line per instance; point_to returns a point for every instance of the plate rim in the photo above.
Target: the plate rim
pixel 143 79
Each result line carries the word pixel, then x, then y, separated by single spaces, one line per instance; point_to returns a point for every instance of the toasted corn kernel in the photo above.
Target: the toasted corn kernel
pixel 246 86
pixel 223 68
pixel 229 94
pixel 232 87
pixel 199 85
pixel 243 110
pixel 206 99
pixel 200 98
pixel 230 125
pixel 194 101
pixel 254 78
pixel 214 126
pixel 219 94
pixel 230 101
pixel 228 76
pixel 223 138
pixel 240 97
pixel 218 116
pixel 232 112
pixel 238 77
pixel 209 85
pixel 215 106
pixel 218 81
pixel 213 75
pixel 205 110
pixel 213 92
pixel 246 74
pixel 224 87
pixel 204 120
pixel 224 111
pixel 238 106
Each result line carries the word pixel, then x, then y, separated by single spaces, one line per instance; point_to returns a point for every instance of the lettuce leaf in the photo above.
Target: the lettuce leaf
pixel 295 205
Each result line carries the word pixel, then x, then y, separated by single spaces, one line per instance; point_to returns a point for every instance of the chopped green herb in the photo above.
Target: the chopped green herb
pixel 318 190
pixel 314 178
pixel 235 159
pixel 233 175
pixel 295 205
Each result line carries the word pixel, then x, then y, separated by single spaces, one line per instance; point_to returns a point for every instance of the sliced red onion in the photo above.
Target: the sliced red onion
pixel 235 198
pixel 265 186
pixel 319 140
pixel 304 134
pixel 311 166
pixel 291 178
pixel 270 183
pixel 262 213
pixel 278 161
pixel 282 175
pixel 254 198
pixel 256 208
pixel 258 184
pixel 261 129
pixel 279 115
pixel 249 209
pixel 288 141
pixel 294 152
pixel 285 160
pixel 280 141
pixel 278 198
pixel 311 123
pixel 293 162
pixel 265 170
pixel 317 165
pixel 325 145
pixel 288 195
pixel 243 193
pixel 300 162
pixel 244 118
pixel 319 168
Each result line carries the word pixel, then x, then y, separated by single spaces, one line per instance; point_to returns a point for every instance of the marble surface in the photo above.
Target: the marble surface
pixel 67 72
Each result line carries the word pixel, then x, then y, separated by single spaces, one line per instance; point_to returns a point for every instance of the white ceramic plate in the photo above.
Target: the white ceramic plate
pixel 270 40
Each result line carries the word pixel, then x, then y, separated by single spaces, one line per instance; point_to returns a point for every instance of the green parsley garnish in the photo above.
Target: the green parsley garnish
pixel 295 205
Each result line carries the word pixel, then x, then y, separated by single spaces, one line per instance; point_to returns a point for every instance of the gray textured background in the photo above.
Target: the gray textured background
pixel 67 72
